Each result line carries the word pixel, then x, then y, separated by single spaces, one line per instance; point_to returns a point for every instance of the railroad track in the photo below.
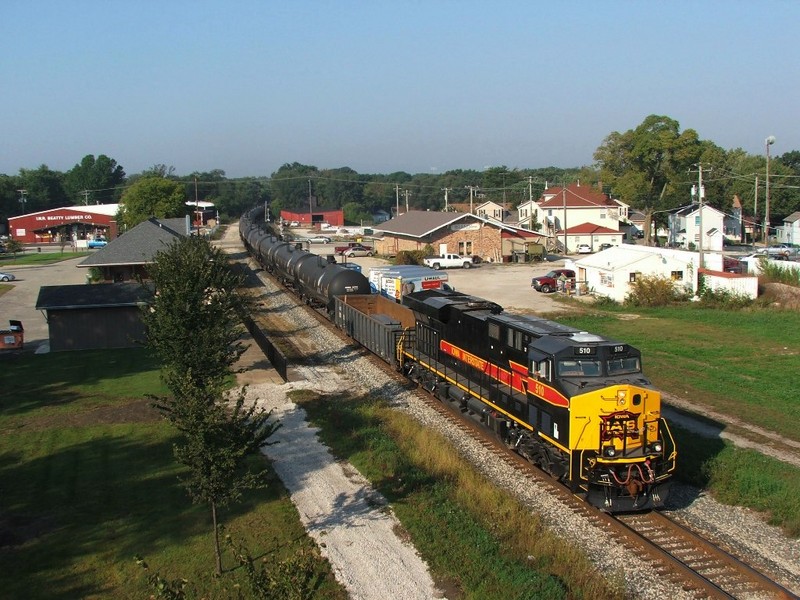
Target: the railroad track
pixel 679 555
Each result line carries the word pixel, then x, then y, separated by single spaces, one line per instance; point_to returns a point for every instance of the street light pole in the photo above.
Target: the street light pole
pixel 768 142
pixel 22 199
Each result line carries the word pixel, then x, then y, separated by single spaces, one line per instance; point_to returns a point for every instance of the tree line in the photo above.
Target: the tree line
pixel 651 167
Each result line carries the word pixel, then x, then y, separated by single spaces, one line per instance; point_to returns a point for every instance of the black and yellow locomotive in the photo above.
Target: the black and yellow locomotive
pixel 572 402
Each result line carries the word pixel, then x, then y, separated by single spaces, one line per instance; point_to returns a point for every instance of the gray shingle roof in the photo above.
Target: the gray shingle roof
pixel 139 245
pixel 420 223
pixel 103 295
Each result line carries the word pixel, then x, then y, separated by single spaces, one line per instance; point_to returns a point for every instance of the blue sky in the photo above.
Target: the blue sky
pixel 247 86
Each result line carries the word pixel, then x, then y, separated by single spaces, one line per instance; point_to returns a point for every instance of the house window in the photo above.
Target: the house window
pixel 697 220
pixel 676 275
pixel 602 215
pixel 633 277
pixel 550 212
pixel 465 248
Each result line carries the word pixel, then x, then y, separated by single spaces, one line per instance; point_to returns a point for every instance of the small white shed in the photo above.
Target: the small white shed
pixel 610 272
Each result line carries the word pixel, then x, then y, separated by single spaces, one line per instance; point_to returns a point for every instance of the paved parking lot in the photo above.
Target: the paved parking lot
pixel 507 284
pixel 20 302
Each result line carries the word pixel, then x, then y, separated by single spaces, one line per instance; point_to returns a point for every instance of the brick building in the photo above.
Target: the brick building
pixel 453 232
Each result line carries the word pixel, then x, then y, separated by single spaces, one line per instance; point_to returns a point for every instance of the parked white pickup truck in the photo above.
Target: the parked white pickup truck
pixel 448 261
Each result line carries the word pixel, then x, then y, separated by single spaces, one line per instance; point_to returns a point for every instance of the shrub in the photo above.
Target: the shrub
pixel 605 302
pixel 723 299
pixel 772 273
pixel 413 257
pixel 653 290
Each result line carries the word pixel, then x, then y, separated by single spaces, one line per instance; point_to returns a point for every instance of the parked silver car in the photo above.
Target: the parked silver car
pixel 7 276
pixel 780 251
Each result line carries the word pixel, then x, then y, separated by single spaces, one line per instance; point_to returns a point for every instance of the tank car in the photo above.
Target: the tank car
pixel 316 279
pixel 320 281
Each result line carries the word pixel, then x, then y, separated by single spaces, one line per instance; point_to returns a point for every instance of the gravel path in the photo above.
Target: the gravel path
pixel 351 523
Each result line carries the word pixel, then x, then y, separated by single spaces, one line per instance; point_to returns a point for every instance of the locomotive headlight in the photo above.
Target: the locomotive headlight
pixel 657 447
pixel 609 451
pixel 621 397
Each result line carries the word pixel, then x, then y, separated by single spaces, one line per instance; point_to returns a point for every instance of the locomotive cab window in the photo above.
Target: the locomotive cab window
pixel 621 366
pixel 541 369
pixel 579 368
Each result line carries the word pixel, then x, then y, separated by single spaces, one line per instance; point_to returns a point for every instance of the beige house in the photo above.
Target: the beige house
pixel 586 214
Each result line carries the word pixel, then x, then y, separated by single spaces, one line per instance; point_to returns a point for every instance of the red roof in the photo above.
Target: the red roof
pixel 575 196
pixel 590 228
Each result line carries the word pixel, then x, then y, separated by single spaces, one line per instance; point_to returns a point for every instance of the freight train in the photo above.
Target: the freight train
pixel 574 403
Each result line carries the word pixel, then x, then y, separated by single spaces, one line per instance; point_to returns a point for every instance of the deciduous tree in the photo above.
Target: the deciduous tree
pixel 94 180
pixel 194 327
pixel 153 197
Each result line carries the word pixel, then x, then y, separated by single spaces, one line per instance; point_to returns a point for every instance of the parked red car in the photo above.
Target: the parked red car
pixel 549 283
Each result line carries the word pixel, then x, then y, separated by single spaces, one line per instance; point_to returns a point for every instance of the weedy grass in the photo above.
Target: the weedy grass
pixel 741 477
pixel 475 538
pixel 90 482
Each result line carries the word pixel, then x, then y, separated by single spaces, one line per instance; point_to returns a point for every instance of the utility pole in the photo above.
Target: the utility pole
pixel 530 188
pixel 22 199
pixel 197 207
pixel 504 173
pixel 406 193
pixel 445 190
pixel 564 202
pixel 85 197
pixel 397 199
pixel 768 142
pixel 701 194
pixel 472 189
pixel 310 208
pixel 755 209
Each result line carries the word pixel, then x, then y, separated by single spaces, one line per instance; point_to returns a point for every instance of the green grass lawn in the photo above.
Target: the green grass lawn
pixel 742 363
pixel 37 258
pixel 88 481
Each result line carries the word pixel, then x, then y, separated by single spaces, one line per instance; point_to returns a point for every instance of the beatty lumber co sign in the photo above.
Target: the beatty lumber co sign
pixel 65 217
